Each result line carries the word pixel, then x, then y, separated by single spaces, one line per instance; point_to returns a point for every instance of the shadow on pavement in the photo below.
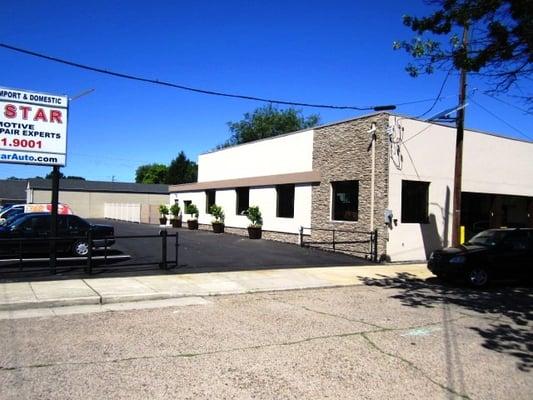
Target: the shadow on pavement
pixel 515 303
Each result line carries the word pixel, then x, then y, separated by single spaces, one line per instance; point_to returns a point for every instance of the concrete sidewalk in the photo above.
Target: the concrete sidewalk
pixel 32 295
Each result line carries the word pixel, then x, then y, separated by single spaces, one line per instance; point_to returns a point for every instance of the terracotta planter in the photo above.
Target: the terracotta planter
pixel 218 227
pixel 192 224
pixel 254 232
pixel 162 221
pixel 176 223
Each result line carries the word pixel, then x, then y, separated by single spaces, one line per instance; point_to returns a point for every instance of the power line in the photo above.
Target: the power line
pixel 507 103
pixel 177 86
pixel 438 95
pixel 502 120
pixel 202 91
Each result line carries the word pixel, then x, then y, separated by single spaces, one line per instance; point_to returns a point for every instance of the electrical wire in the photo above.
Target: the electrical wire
pixel 438 95
pixel 196 90
pixel 529 138
pixel 507 103
pixel 177 86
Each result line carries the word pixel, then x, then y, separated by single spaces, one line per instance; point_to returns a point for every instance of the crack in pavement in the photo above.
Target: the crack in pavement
pixel 231 350
pixel 413 366
pixel 184 355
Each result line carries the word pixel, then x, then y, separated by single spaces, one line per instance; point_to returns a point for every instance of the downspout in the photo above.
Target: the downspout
pixel 372 131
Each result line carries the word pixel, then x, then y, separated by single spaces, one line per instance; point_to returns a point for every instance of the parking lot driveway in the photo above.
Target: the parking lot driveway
pixel 205 251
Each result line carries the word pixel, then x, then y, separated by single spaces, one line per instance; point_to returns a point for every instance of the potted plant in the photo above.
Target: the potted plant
pixel 192 223
pixel 218 214
pixel 175 211
pixel 256 222
pixel 163 210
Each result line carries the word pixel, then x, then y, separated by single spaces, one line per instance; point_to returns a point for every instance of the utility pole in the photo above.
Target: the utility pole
pixel 458 175
pixel 53 219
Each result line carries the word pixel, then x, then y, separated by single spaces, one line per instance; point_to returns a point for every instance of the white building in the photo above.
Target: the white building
pixel 334 177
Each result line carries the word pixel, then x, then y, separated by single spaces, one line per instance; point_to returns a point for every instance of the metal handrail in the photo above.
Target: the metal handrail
pixel 164 263
pixel 372 240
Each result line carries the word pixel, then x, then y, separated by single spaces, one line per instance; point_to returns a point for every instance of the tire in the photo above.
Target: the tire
pixel 477 277
pixel 80 248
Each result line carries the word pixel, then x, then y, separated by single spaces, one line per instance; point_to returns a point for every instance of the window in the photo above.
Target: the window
pixel 209 199
pixel 285 206
pixel 345 201
pixel 415 202
pixel 76 223
pixel 243 199
pixel 186 203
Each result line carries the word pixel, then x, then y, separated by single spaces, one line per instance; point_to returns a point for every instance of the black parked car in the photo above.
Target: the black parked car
pixel 70 228
pixel 491 254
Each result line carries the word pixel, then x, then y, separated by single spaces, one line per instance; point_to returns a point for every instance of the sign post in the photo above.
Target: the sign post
pixel 33 131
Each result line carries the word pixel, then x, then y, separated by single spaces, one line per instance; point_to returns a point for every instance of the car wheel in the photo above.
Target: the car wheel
pixel 478 277
pixel 81 248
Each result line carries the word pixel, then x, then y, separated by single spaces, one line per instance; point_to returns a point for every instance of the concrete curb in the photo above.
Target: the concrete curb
pixel 22 296
pixel 72 301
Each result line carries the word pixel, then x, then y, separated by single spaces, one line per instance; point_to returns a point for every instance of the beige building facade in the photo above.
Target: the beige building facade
pixel 380 173
pixel 88 198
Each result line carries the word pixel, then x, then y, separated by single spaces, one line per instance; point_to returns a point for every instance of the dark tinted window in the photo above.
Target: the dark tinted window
pixel 40 224
pixel 415 202
pixel 209 199
pixel 62 223
pixel 243 200
pixel 285 207
pixel 516 241
pixel 345 200
pixel 76 222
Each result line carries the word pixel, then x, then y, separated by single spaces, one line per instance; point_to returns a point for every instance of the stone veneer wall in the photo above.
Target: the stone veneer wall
pixel 268 235
pixel 341 152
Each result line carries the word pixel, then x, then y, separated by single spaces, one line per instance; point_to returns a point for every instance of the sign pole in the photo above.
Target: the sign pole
pixel 53 219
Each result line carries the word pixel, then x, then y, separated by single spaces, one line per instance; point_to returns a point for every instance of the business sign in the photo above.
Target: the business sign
pixel 33 127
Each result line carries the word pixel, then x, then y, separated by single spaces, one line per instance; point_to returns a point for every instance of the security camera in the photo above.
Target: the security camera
pixel 372 128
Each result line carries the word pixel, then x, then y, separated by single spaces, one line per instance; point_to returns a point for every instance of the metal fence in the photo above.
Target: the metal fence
pixel 360 243
pixel 97 258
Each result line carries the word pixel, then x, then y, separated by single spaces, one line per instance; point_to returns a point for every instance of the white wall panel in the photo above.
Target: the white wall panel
pixel 280 155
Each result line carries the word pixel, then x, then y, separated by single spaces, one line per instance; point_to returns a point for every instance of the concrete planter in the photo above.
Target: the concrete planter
pixel 176 223
pixel 218 227
pixel 162 221
pixel 192 224
pixel 254 232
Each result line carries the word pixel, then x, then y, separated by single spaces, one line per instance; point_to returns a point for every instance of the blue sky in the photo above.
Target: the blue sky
pixel 337 52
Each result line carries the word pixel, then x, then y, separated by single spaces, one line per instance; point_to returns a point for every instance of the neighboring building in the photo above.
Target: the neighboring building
pixel 88 198
pixel 12 191
pixel 322 179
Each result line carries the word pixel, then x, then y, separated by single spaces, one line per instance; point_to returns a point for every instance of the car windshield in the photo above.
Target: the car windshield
pixel 12 219
pixel 487 238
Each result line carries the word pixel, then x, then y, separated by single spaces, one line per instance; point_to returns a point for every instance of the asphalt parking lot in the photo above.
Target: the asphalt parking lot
pixel 390 338
pixel 199 251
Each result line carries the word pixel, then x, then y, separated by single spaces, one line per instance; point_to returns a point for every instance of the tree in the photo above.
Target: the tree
pixel 182 170
pixel 500 46
pixel 49 175
pixel 151 173
pixel 62 176
pixel 268 121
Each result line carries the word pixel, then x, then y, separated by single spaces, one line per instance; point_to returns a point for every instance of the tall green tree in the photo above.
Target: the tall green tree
pixel 268 121
pixel 500 44
pixel 182 170
pixel 151 173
